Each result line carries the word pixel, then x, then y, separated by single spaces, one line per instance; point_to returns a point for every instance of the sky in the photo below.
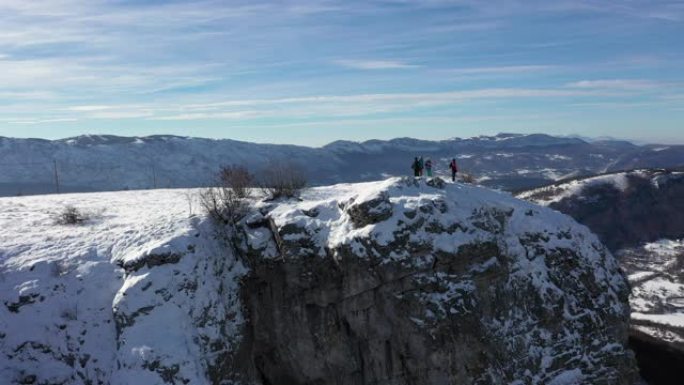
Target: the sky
pixel 311 72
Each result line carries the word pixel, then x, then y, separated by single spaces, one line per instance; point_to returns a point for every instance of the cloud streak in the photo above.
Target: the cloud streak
pixel 375 64
pixel 82 63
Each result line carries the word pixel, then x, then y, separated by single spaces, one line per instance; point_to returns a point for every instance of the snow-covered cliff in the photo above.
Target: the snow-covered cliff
pixel 414 282
pixel 638 215
pixel 139 294
pixel 392 282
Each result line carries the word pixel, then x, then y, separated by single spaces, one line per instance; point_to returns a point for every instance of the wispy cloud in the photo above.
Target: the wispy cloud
pixel 375 64
pixel 42 121
pixel 327 106
pixel 516 69
pixel 90 108
pixel 162 63
pixel 620 84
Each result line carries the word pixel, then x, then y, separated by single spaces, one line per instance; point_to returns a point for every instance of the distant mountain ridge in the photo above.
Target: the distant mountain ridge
pixel 625 209
pixel 109 162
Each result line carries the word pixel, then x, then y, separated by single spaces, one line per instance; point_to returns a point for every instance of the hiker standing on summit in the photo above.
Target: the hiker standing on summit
pixel 454 169
pixel 421 166
pixel 416 167
pixel 428 167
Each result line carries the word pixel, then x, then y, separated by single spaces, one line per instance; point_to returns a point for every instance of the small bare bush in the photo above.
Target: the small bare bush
pixel 468 178
pixel 282 180
pixel 227 203
pixel 237 178
pixel 70 215
pixel 222 204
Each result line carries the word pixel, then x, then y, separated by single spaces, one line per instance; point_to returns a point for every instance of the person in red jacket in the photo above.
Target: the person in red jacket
pixel 454 169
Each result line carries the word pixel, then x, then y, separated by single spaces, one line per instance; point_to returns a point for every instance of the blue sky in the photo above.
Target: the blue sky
pixel 310 72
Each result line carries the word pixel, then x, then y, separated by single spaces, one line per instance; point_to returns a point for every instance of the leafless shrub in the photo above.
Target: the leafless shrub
pixel 282 180
pixel 211 200
pixel 468 178
pixel 70 215
pixel 191 197
pixel 227 203
pixel 222 204
pixel 237 178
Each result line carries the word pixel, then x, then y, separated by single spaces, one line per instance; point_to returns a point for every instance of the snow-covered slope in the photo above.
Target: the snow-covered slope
pixel 656 273
pixel 626 209
pixel 575 188
pixel 139 294
pixel 638 214
pixel 400 281
pixel 101 162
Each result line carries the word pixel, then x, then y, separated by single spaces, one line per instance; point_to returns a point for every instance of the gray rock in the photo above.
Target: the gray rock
pixel 371 211
pixel 426 316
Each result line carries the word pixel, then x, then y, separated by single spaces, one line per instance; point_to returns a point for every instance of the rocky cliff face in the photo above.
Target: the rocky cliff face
pixel 407 282
pixel 394 282
pixel 638 215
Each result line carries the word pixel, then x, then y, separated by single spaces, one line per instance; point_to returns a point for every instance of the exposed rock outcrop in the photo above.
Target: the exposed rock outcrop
pixel 397 282
pixel 638 214
pixel 412 284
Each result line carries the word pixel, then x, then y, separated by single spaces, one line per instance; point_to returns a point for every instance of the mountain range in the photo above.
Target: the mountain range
pixel 506 161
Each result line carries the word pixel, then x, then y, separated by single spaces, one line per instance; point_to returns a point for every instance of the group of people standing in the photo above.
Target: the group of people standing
pixel 421 167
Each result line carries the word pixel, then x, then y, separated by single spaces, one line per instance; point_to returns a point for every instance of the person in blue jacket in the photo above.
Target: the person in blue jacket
pixel 428 167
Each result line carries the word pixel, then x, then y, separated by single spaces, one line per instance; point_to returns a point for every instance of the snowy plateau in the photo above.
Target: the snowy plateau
pixel 401 281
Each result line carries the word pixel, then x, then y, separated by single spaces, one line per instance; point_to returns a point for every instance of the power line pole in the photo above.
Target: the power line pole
pixel 54 163
pixel 154 176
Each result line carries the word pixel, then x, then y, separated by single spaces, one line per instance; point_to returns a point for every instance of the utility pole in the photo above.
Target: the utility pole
pixel 54 163
pixel 154 176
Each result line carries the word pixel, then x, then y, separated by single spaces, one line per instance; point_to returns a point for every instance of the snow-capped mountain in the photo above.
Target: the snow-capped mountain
pixel 401 281
pixel 509 161
pixel 638 214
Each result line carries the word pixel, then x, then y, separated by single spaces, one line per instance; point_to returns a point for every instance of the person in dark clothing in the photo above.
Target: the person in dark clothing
pixel 454 169
pixel 416 167
pixel 421 166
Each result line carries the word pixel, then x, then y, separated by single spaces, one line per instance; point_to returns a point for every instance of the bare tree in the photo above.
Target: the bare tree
pixel 282 180
pixel 237 178
pixel 191 198
pixel 227 203
pixel 222 204
pixel 468 178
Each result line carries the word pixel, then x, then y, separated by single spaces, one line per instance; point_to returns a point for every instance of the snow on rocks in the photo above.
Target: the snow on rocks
pixel 656 273
pixel 404 279
pixel 381 273
pixel 139 294
pixel 557 192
